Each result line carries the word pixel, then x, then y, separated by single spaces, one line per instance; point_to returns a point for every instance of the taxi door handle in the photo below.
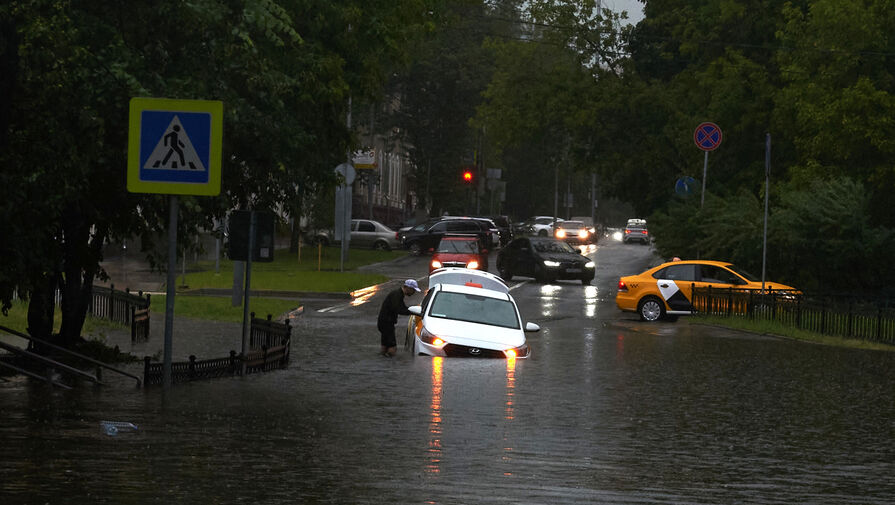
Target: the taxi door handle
pixel 663 285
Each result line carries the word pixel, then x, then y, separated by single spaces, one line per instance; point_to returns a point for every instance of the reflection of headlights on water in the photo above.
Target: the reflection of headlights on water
pixel 431 339
pixel 550 263
pixel 589 264
pixel 617 235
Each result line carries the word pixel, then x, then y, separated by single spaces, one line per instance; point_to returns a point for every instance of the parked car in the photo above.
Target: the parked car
pixel 364 233
pixel 465 251
pixel 424 237
pixel 468 321
pixel 665 291
pixel 542 226
pixel 574 232
pixel 545 259
pixel 505 228
pixel 636 231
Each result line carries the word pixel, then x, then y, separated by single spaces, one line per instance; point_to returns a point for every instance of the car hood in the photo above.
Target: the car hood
pixel 563 257
pixel 474 334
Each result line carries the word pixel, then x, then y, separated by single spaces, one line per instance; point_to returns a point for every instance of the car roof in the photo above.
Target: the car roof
pixel 693 262
pixel 474 290
pixel 460 276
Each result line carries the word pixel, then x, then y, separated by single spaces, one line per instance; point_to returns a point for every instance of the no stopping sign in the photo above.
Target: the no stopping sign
pixel 707 136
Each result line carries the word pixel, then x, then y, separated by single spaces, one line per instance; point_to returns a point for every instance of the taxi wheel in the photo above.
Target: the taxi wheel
pixel 650 309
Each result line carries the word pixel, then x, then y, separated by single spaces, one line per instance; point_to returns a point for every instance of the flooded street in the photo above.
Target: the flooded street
pixel 606 410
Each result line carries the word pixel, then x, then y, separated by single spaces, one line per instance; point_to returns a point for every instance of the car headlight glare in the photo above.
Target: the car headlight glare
pixel 431 339
pixel 582 234
pixel 550 263
pixel 560 233
pixel 517 352
pixel 589 264
pixel 436 264
pixel 472 264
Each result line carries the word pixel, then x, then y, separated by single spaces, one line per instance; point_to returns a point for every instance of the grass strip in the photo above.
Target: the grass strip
pixel 765 327
pixel 219 308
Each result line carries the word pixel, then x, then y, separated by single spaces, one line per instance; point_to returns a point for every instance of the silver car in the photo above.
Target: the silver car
pixel 364 233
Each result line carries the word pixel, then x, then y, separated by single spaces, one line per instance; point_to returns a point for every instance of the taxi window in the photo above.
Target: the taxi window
pixel 677 273
pixel 718 275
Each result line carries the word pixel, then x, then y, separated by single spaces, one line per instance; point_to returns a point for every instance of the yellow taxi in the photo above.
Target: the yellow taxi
pixel 666 290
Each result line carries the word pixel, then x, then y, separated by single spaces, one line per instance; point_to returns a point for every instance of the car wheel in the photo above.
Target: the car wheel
pixel 381 246
pixel 542 277
pixel 415 249
pixel 542 233
pixel 650 309
pixel 586 282
pixel 505 272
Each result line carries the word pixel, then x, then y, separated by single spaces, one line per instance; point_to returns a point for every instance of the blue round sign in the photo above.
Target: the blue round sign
pixel 685 186
pixel 707 136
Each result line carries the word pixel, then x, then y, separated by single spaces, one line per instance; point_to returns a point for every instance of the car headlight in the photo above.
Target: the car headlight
pixel 589 264
pixel 436 264
pixel 431 339
pixel 560 233
pixel 517 352
pixel 472 264
pixel 582 234
pixel 550 263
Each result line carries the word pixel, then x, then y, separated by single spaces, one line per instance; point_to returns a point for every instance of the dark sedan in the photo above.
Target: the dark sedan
pixel 545 259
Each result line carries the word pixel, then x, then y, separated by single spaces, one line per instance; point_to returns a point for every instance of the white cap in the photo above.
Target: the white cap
pixel 410 283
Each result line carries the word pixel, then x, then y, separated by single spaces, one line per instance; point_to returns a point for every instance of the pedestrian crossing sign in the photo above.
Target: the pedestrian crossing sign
pixel 174 146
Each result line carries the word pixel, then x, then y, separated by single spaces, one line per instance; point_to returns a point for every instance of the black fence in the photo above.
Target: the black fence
pixel 270 344
pixel 845 316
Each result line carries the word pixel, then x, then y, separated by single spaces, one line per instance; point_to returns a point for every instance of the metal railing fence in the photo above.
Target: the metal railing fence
pixel 844 316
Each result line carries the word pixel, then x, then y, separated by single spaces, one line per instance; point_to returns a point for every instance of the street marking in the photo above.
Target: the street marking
pixel 517 285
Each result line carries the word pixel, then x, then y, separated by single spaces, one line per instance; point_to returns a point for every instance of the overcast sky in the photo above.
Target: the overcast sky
pixel 634 8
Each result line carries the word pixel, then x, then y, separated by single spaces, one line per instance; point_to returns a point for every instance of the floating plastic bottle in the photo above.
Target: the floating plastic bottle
pixel 112 428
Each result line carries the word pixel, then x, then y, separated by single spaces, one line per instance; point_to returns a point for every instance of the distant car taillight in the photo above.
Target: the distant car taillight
pixel 644 232
pixel 622 286
pixel 627 232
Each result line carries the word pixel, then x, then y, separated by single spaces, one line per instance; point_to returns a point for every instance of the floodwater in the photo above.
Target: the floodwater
pixel 607 410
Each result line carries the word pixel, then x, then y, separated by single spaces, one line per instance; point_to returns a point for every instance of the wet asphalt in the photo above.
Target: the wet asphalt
pixel 607 410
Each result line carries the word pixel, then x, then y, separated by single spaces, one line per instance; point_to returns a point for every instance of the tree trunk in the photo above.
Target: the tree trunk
pixel 82 253
pixel 41 307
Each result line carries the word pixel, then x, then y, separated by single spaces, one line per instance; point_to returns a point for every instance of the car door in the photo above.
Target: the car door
pixel 675 284
pixel 525 260
pixel 364 233
pixel 433 236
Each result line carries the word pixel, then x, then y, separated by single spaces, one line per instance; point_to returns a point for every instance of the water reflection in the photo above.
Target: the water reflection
pixel 509 411
pixel 549 294
pixel 590 301
pixel 363 295
pixel 433 464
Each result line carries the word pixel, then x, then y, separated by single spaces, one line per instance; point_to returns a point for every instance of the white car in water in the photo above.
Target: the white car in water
pixel 467 320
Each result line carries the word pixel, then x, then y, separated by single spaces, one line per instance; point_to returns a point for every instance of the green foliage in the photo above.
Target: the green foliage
pixel 219 308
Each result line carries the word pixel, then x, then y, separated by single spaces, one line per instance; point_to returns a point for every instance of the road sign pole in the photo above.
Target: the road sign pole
pixel 171 289
pixel 705 170
pixel 248 283
pixel 767 191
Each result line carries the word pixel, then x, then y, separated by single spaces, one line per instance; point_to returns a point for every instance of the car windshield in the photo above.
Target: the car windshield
pixel 458 246
pixel 550 246
pixel 572 224
pixel 475 309
pixel 742 273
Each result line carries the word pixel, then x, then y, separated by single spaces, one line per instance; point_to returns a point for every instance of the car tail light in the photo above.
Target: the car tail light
pixel 472 264
pixel 644 232
pixel 397 235
pixel 627 232
pixel 622 286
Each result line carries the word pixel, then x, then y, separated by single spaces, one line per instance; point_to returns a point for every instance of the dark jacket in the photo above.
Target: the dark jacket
pixel 392 306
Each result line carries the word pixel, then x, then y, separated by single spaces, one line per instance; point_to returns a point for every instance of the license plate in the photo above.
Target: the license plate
pixel 574 270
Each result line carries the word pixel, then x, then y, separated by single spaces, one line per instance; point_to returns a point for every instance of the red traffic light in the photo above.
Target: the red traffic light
pixel 467 176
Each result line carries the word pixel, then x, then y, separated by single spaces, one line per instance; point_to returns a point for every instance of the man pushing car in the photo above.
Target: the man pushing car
pixel 388 315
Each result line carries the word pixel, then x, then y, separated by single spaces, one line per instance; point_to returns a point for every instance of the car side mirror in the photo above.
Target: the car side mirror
pixel 416 310
pixel 532 327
